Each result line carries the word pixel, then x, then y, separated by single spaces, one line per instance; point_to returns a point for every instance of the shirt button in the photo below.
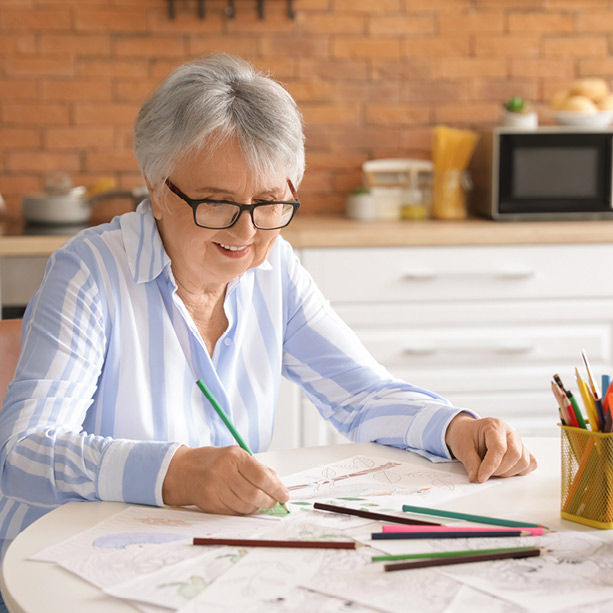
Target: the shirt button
pixel 227 341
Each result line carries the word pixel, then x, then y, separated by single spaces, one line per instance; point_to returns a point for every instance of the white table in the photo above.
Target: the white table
pixel 40 587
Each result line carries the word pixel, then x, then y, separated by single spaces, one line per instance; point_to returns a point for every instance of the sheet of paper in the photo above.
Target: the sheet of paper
pixel 141 540
pixel 377 483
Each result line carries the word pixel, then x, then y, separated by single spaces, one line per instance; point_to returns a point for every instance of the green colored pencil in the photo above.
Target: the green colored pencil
pixel 226 420
pixel 445 554
pixel 481 519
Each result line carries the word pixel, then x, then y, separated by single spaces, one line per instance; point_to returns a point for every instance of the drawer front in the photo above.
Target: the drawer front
pixel 461 273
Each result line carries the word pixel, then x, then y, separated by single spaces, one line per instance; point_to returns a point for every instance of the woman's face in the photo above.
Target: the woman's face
pixel 203 257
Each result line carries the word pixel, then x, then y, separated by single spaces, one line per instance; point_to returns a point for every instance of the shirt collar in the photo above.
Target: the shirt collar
pixel 145 251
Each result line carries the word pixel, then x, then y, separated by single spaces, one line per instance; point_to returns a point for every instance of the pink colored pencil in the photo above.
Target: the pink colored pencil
pixel 534 531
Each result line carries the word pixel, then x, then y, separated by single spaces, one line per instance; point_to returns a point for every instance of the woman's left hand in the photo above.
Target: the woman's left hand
pixel 488 447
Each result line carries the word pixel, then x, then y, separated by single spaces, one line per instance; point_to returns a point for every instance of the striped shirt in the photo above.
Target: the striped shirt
pixel 104 392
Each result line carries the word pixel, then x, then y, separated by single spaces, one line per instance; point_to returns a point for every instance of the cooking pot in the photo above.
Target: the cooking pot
pixel 71 207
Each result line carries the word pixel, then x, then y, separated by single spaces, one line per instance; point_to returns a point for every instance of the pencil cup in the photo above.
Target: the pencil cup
pixel 587 477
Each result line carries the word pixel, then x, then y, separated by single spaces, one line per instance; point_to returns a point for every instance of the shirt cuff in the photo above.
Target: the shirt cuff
pixel 427 433
pixel 134 471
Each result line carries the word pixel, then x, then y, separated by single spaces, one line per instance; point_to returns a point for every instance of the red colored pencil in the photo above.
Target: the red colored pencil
pixel 276 543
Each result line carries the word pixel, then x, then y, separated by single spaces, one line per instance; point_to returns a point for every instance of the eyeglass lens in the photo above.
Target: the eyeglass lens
pixel 265 216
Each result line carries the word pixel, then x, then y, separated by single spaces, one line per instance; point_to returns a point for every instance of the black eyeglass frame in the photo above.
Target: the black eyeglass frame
pixel 195 203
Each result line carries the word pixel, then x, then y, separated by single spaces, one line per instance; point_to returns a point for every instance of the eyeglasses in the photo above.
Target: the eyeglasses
pixel 222 214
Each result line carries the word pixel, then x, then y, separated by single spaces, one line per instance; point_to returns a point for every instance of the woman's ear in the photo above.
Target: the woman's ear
pixel 155 195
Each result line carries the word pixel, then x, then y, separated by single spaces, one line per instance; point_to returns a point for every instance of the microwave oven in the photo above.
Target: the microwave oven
pixel 550 172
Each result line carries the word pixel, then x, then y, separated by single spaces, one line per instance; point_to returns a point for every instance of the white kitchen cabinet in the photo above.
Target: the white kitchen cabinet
pixel 484 326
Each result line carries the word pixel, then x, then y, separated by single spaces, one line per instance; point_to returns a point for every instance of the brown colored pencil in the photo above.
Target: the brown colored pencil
pixel 277 543
pixel 370 515
pixel 478 557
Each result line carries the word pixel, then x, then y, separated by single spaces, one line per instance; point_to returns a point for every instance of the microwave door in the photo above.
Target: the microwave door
pixel 555 174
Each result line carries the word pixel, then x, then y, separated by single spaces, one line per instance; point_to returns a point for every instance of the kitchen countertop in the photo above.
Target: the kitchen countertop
pixel 16 239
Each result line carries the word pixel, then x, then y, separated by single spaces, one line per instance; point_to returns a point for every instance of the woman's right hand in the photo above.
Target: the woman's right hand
pixel 224 480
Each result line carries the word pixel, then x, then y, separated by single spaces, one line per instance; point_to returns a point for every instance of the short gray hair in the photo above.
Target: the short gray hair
pixel 206 101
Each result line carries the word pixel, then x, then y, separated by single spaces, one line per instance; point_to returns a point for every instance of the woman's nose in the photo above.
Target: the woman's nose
pixel 244 226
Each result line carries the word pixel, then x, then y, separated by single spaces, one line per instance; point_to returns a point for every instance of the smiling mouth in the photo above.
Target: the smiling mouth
pixel 232 247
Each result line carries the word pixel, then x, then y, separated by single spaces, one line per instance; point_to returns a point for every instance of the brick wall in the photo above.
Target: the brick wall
pixel 371 76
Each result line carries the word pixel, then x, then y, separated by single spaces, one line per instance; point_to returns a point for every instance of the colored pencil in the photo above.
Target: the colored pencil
pixel 371 515
pixel 480 557
pixel 226 420
pixel 273 543
pixel 444 554
pixel 479 519
pixel 382 536
pixel 452 529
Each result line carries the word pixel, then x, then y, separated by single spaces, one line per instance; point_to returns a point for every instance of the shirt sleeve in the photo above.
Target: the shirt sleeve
pixel 46 457
pixel 361 399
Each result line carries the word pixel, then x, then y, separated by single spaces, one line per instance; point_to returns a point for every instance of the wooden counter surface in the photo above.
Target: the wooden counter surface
pixel 322 231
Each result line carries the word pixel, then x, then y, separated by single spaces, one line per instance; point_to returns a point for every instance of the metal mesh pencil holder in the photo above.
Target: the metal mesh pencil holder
pixel 587 477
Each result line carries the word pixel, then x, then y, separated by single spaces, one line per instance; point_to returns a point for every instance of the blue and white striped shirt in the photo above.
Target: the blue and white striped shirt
pixel 105 391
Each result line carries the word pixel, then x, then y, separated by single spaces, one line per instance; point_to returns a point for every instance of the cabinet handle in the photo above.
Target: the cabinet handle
pixel 500 348
pixel 429 275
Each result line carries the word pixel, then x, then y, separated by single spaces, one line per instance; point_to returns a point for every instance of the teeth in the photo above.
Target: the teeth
pixel 232 247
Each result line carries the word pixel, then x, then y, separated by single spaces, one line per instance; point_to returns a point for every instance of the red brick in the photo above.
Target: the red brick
pixel 308 68
pixel 99 161
pixel 575 46
pixel 18 89
pixel 133 90
pixel 33 113
pixel 148 46
pixel 573 5
pixel 471 67
pixel 467 113
pixel 327 160
pixel 540 22
pixel 401 25
pixel 316 181
pixel 451 22
pixel 529 68
pixel 347 138
pixel 63 89
pixel 595 21
pixel 382 90
pixel 498 90
pixel 39 66
pixel 18 19
pixel 42 161
pixel 105 114
pixel 334 114
pixel 79 138
pixel 346 182
pixel 278 67
pixel 330 23
pixel 311 91
pixel 295 46
pixel 397 114
pixel 436 46
pixel 487 45
pixel 373 47
pixel 159 69
pixel 19 138
pixel 367 6
pixel 109 19
pixel 419 68
pixel 75 44
pixel 414 6
pixel 434 90
pixel 323 204
pixel 595 67
pixel 17 43
pixel 318 137
pixel 417 141
pixel 185 22
pixel 90 67
pixel 248 22
pixel 243 45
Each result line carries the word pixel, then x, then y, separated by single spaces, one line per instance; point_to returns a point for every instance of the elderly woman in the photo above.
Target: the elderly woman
pixel 198 284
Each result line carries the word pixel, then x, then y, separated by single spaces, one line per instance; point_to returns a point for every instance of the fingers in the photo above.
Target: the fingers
pixel 265 486
pixel 505 454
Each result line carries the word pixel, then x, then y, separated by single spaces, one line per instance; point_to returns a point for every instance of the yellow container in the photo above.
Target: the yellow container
pixel 587 477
